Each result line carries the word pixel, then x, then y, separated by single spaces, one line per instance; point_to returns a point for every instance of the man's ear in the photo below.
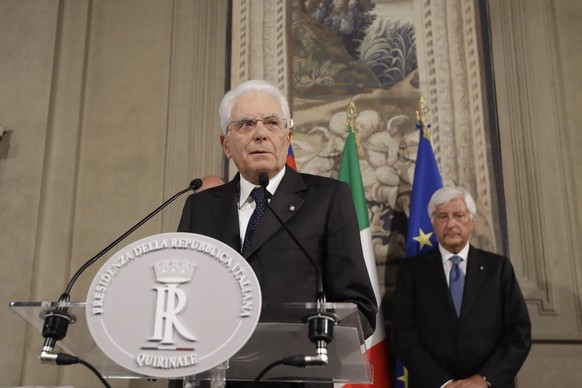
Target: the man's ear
pixel 224 142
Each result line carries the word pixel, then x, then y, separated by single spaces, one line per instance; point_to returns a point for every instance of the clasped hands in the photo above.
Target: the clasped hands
pixel 475 381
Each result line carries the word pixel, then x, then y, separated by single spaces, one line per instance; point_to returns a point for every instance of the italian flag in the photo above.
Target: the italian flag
pixel 350 173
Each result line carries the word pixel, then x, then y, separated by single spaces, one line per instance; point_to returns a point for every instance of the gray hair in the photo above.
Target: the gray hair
pixel 446 194
pixel 252 86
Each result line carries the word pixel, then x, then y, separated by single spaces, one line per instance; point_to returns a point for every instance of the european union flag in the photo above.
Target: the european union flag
pixel 420 236
pixel 427 180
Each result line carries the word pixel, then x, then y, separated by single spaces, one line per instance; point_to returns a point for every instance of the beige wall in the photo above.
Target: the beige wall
pixel 569 42
pixel 536 61
pixel 110 107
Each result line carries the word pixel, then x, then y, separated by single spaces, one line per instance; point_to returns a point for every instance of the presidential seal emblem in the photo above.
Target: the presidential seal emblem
pixel 173 305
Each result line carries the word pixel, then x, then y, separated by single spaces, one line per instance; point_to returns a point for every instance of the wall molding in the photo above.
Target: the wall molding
pixel 537 174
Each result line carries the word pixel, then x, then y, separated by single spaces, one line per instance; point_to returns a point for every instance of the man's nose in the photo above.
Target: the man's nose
pixel 451 222
pixel 260 131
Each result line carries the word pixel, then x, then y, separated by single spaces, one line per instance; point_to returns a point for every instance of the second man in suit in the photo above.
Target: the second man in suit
pixel 460 319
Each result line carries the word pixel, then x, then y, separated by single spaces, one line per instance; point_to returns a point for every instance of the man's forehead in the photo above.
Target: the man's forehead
pixel 256 104
pixel 455 204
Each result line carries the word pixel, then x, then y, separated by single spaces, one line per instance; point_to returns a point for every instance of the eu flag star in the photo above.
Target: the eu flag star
pixel 423 239
pixel 402 380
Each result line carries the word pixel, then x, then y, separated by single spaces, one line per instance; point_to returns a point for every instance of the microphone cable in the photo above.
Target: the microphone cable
pixel 299 361
pixel 67 359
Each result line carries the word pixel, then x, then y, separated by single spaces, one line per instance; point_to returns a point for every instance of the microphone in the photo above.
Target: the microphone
pixel 320 324
pixel 56 322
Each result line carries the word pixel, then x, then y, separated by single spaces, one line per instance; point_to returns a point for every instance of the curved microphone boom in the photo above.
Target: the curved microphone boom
pixel 57 321
pixel 320 324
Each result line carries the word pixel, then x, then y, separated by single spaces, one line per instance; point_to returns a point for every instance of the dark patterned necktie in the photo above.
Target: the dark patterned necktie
pixel 457 283
pixel 258 195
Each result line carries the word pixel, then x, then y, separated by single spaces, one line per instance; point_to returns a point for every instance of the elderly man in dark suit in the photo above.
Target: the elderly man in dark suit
pixel 460 319
pixel 319 211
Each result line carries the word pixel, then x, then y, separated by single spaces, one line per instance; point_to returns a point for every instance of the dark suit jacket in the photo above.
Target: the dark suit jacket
pixel 323 220
pixel 492 337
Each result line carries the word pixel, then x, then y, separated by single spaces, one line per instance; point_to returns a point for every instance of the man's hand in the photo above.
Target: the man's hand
pixel 475 381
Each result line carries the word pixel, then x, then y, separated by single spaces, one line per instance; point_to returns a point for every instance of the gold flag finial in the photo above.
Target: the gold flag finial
pixel 423 116
pixel 351 118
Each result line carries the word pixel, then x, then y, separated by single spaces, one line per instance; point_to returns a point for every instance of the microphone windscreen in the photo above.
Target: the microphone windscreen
pixel 263 180
pixel 196 184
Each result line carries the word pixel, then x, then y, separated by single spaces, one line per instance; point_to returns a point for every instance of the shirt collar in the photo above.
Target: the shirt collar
pixel 246 187
pixel 446 255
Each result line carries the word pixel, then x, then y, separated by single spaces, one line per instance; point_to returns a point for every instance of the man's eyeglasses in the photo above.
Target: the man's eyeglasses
pixel 443 218
pixel 272 123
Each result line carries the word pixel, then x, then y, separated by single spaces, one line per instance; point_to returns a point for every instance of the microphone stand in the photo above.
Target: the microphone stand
pixel 320 324
pixel 56 322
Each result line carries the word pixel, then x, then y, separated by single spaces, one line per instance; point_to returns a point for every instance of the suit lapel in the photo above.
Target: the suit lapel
pixel 225 213
pixel 286 203
pixel 474 280
pixel 435 276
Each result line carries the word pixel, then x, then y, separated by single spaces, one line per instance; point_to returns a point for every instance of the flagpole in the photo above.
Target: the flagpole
pixel 427 179
pixel 349 172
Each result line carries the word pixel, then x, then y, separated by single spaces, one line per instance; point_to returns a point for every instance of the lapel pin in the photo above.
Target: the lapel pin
pixel 292 208
pixel 481 268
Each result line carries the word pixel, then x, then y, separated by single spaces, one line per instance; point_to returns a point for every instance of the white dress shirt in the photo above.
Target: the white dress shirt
pixel 447 264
